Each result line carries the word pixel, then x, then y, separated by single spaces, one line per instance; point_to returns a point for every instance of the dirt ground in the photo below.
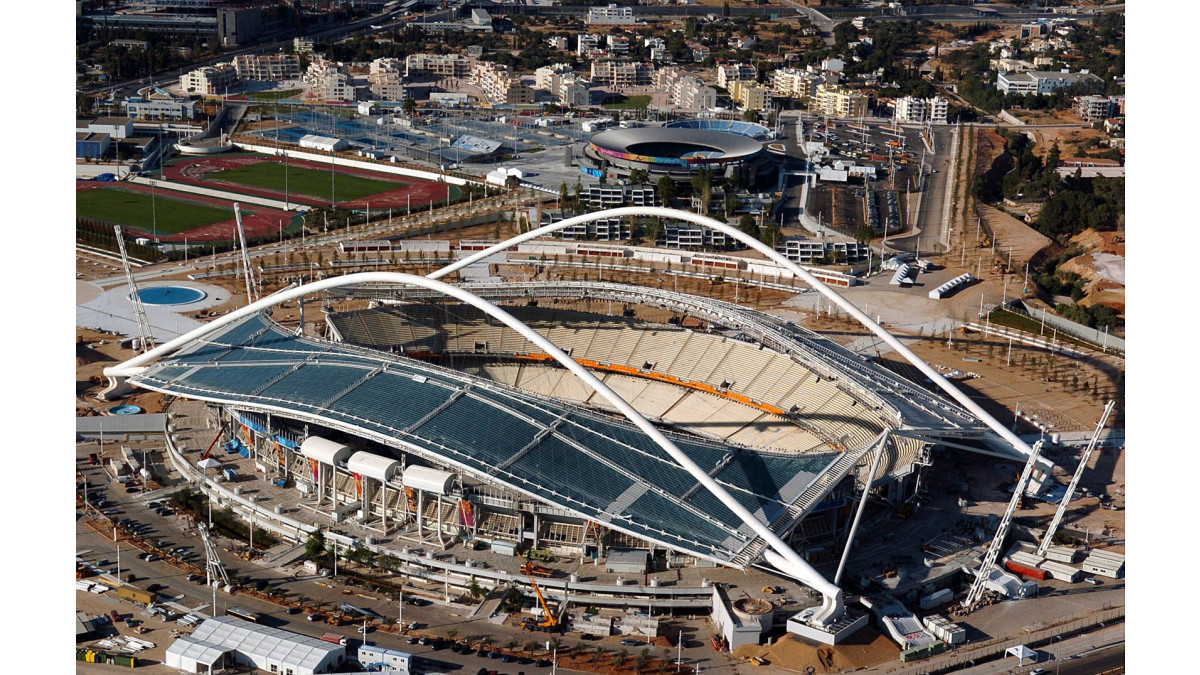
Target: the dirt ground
pixel 866 647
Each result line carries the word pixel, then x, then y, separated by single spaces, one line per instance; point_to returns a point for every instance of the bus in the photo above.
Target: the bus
pixel 245 615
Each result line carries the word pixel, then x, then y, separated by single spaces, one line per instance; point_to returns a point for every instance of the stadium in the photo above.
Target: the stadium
pixel 516 416
pixel 678 152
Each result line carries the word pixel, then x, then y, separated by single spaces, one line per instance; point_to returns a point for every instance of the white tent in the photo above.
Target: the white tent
pixel 209 463
pixel 1022 652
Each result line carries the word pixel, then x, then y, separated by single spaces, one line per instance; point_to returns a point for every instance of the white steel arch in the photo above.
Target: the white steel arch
pixel 778 258
pixel 783 556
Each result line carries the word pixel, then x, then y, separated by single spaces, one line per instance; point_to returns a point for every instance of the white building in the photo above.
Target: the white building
pixel 209 80
pixel 159 108
pixel 543 77
pixel 622 74
pixel 586 43
pixel 386 80
pixel 329 81
pixel 1095 108
pixel 323 143
pixel 911 109
pixel 439 65
pixel 218 641
pixel 1045 82
pixel 499 83
pixel 267 67
pixel 611 15
pixel 692 94
pixel 727 73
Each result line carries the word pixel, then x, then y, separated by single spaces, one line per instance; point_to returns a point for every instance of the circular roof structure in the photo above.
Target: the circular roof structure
pixel 682 147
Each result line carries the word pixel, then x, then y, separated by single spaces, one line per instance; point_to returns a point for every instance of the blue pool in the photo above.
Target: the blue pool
pixel 170 295
pixel 124 410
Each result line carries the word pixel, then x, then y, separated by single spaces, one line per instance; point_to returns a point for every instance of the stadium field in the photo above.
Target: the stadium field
pixel 169 216
pixel 305 181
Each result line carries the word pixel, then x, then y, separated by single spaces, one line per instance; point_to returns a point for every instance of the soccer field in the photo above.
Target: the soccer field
pixel 169 216
pixel 316 183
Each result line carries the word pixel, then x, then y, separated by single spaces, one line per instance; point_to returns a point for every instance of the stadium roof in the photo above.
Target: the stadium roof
pixel 588 464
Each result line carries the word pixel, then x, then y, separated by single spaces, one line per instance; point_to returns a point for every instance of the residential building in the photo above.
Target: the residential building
pixel 610 15
pixel 699 51
pixel 1095 108
pixel 586 42
pixel 741 42
pixel 728 72
pixel 807 251
pixel 573 92
pixel 268 67
pixel 838 101
pixel 209 80
pixel 617 44
pixel 691 94
pixel 833 65
pixel 303 45
pixel 612 196
pixel 622 74
pixel 329 81
pixel 911 109
pixel 1034 29
pixel 939 110
pixel 693 236
pixel 1046 82
pixel 386 80
pixel 437 65
pixel 542 77
pixel 750 94
pixel 558 42
pixel 499 84
pixel 794 82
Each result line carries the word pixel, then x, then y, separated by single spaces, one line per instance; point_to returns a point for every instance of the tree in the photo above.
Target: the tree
pixel 665 190
pixel 562 195
pixel 751 115
pixel 771 234
pixel 639 176
pixel 314 548
pixel 864 234
pixel 746 224
pixel 600 652
pixel 619 658
pixel 409 106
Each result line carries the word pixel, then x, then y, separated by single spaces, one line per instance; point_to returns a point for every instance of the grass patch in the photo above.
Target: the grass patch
pixel 275 95
pixel 305 181
pixel 168 216
pixel 628 102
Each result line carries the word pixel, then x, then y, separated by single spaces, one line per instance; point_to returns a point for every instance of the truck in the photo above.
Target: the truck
pixel 334 638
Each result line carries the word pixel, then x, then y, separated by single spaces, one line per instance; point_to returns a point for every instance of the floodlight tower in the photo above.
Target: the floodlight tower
pixel 143 323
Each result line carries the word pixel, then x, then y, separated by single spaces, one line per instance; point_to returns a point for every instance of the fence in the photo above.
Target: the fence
pixel 995 648
pixel 1101 339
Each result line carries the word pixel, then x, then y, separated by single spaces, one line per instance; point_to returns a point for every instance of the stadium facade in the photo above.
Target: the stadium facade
pixel 770 424
pixel 679 152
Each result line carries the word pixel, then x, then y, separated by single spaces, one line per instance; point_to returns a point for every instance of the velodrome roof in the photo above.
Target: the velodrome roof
pixel 598 468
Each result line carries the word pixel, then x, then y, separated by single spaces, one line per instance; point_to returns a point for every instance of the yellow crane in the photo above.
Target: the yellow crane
pixel 549 623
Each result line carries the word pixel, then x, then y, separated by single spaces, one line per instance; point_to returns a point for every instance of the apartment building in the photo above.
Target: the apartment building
pixel 543 77
pixel 795 82
pixel 209 80
pixel 329 81
pixel 838 101
pixel 267 68
pixel 386 80
pixel 437 65
pixel 610 16
pixel 728 72
pixel 585 43
pixel 690 93
pixel 622 74
pixel 1095 108
pixel 499 84
pixel 752 95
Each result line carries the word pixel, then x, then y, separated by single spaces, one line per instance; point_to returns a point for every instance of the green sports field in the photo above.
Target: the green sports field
pixel 134 209
pixel 304 181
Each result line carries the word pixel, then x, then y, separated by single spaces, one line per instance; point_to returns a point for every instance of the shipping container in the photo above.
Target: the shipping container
pixel 1025 570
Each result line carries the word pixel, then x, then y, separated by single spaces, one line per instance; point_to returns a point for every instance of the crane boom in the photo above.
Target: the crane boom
pixel 993 552
pixel 1083 461
pixel 550 621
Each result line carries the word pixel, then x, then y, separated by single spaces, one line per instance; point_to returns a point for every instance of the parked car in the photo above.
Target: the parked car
pixel 314 617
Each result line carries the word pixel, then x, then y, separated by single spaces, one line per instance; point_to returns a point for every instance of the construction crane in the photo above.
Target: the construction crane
pixel 251 295
pixel 993 552
pixel 549 623
pixel 1083 461
pixel 214 567
pixel 143 323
